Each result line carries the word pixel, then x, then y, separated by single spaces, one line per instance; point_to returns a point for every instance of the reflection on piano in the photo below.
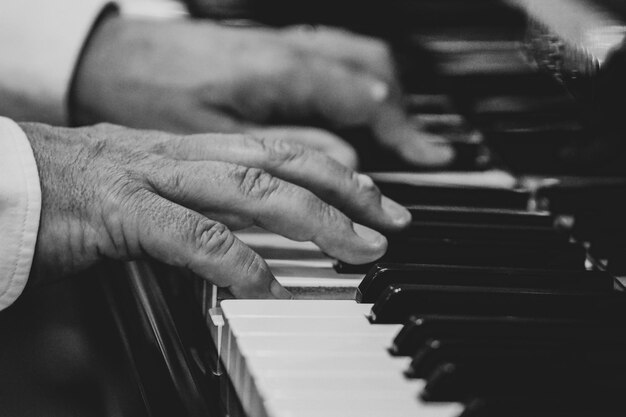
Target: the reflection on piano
pixel 502 299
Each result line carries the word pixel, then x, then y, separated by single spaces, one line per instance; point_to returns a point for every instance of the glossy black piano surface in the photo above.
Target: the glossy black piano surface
pixel 489 283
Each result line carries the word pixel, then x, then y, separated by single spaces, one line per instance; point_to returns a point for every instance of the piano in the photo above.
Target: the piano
pixel 505 296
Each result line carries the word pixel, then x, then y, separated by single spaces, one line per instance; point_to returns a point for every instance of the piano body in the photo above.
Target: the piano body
pixel 504 297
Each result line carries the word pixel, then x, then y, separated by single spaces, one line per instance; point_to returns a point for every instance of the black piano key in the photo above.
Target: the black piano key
pixel 419 329
pixel 598 405
pixel 383 275
pixel 408 194
pixel 613 257
pixel 399 302
pixel 491 353
pixel 428 104
pixel 483 216
pixel 534 150
pixel 564 379
pixel 563 255
pixel 583 195
pixel 484 232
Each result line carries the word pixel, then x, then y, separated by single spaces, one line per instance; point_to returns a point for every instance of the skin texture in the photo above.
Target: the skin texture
pixel 117 193
pixel 189 76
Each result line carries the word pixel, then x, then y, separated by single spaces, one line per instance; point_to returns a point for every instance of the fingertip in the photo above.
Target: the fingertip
pixel 346 156
pixel 375 242
pixel 399 216
pixel 426 152
pixel 279 292
pixel 379 91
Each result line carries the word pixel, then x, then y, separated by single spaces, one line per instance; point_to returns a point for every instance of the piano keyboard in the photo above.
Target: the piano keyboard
pixel 489 334
pixel 502 299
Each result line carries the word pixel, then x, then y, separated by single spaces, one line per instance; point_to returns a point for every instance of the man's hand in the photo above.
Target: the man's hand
pixel 112 192
pixel 196 76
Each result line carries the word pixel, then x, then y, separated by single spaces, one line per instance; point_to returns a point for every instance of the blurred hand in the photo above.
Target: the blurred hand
pixel 112 192
pixel 196 76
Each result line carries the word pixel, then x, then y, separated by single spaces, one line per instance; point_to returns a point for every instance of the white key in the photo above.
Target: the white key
pixel 318 358
pixel 301 267
pixel 294 308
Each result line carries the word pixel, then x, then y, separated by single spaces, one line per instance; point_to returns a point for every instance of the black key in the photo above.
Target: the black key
pixel 582 195
pixel 383 275
pixel 483 232
pixel 598 405
pixel 533 149
pixel 565 379
pixel 564 255
pixel 399 302
pixel 419 329
pixel 476 215
pixel 455 196
pixel 493 353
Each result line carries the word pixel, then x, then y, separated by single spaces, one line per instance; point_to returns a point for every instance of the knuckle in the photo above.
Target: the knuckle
pixel 364 184
pixel 328 214
pixel 380 50
pixel 293 62
pixel 107 126
pixel 212 238
pixel 253 266
pixel 279 152
pixel 256 183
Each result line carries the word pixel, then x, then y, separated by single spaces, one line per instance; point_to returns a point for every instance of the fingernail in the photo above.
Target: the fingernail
pixel 278 291
pixel 369 235
pixel 379 91
pixel 400 216
pixel 434 154
pixel 365 181
pixel 443 153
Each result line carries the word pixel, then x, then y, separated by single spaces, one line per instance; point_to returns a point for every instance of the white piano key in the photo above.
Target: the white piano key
pixel 356 413
pixel 296 274
pixel 409 407
pixel 319 358
pixel 351 385
pixel 270 365
pixel 281 337
pixel 320 282
pixel 309 325
pixel 320 346
pixel 256 237
pixel 312 264
pixel 485 179
pixel 294 308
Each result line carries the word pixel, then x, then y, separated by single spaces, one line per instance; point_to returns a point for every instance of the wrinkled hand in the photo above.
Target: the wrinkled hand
pixel 197 76
pixel 112 192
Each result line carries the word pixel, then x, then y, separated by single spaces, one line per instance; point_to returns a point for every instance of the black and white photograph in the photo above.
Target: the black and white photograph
pixel 323 208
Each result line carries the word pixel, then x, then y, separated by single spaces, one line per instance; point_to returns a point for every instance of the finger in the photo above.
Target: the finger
pixel 359 52
pixel 181 237
pixel 335 93
pixel 258 198
pixel 394 130
pixel 354 194
pixel 321 140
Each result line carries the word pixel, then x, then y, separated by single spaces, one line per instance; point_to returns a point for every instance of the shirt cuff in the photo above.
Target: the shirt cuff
pixel 20 208
pixel 40 43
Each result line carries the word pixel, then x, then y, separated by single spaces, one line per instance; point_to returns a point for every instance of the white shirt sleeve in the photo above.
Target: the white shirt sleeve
pixel 40 43
pixel 20 207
